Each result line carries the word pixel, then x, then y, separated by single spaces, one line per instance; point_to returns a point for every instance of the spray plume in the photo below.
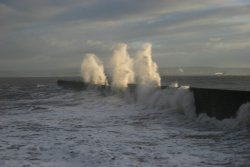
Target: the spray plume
pixel 122 65
pixel 146 68
pixel 92 70
pixel 141 70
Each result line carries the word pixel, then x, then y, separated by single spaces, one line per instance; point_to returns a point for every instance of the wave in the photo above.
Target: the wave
pixel 242 119
pixel 181 100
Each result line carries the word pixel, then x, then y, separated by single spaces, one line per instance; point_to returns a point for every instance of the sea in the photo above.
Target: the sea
pixel 44 125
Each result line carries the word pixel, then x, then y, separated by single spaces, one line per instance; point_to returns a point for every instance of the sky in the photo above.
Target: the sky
pixel 56 34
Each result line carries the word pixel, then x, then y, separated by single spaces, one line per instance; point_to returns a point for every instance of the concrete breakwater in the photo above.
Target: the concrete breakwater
pixel 218 103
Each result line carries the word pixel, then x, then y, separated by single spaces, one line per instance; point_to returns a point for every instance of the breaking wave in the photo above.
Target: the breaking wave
pixel 142 71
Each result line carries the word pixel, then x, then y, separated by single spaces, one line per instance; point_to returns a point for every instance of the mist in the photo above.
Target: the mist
pixel 139 69
pixel 122 65
pixel 92 70
pixel 146 69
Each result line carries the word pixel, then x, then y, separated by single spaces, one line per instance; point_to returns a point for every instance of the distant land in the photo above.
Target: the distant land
pixel 194 71
pixel 41 73
pixel 204 71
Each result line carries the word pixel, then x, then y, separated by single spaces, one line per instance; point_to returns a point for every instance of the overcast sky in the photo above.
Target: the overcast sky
pixel 56 34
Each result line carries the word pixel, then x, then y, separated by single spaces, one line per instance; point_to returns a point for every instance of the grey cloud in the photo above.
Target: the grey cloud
pixel 111 10
pixel 57 34
pixel 97 10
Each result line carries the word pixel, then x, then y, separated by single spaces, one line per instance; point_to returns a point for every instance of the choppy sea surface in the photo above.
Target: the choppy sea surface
pixel 44 125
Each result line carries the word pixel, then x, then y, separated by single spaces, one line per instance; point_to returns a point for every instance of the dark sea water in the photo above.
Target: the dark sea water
pixel 42 124
pixel 220 82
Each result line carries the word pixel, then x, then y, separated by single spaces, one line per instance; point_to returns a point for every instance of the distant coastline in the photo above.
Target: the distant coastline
pixel 171 71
